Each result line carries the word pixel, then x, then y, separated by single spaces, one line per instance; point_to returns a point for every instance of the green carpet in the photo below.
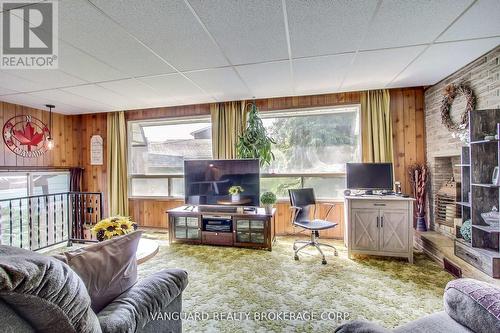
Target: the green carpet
pixel 227 280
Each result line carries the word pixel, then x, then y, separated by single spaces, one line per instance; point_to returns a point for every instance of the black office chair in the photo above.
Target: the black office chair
pixel 302 200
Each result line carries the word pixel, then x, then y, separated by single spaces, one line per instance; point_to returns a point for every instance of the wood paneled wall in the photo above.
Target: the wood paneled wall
pixel 408 121
pixel 66 134
pixel 94 176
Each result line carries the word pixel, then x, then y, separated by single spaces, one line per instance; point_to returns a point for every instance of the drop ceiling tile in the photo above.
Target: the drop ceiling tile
pixel 375 69
pixel 9 81
pixel 48 78
pixel 327 27
pixel 5 91
pixel 38 102
pixel 247 31
pixel 103 95
pixel 223 83
pixel 174 86
pixel 141 92
pixel 268 79
pixel 26 100
pixel 169 28
pixel 320 74
pixel 84 66
pixel 481 20
pixel 64 97
pixel 410 22
pixel 441 60
pixel 82 25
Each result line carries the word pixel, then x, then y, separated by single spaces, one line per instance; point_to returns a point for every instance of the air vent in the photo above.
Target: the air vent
pixel 452 268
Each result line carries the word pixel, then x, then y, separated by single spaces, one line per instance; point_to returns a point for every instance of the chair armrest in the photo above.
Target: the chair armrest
pixel 132 310
pixel 295 211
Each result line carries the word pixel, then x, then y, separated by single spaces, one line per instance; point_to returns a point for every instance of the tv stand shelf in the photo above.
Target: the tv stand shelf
pixel 254 229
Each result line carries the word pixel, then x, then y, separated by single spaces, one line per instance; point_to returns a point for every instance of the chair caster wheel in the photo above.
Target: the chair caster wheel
pixel 324 262
pixel 336 254
pixel 296 257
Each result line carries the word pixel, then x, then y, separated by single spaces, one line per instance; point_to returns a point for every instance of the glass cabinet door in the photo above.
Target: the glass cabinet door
pixel 186 228
pixel 250 231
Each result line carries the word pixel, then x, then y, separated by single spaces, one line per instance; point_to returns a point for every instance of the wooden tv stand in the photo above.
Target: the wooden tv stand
pixel 254 229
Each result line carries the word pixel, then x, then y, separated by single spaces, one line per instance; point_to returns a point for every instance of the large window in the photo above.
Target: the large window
pixel 312 147
pixel 157 150
pixel 21 184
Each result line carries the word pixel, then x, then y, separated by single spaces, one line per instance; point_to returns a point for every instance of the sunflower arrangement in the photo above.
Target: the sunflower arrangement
pixel 113 226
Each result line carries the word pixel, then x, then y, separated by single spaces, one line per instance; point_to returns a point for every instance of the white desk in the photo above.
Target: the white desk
pixel 379 225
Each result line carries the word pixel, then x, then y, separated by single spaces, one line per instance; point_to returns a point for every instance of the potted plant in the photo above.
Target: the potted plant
pixel 419 176
pixel 113 226
pixel 235 192
pixel 254 142
pixel 268 199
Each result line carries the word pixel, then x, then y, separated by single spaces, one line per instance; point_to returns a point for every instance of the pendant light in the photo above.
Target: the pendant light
pixel 50 140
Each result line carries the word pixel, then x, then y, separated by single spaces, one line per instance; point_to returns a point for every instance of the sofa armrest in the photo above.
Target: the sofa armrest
pixel 360 326
pixel 132 310
pixel 474 304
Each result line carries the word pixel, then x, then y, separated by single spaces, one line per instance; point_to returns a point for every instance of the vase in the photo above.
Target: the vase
pixel 421 224
pixel 235 197
pixel 268 209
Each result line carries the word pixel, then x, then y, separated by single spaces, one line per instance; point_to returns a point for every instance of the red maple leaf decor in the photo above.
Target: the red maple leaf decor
pixel 28 136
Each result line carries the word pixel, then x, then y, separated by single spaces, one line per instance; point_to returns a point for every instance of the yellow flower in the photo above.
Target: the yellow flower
pixel 114 226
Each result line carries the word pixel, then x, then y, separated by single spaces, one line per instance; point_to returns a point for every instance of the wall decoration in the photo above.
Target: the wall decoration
pixel 450 93
pixel 26 136
pixel 96 150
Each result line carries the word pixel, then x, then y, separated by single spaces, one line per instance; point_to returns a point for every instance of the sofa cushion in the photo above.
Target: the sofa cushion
pixel 133 309
pixel 45 292
pixel 11 321
pixel 107 268
pixel 436 322
pixel 474 304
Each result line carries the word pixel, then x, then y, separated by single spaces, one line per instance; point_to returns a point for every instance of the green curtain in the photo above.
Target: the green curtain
pixel 376 126
pixel 117 164
pixel 228 123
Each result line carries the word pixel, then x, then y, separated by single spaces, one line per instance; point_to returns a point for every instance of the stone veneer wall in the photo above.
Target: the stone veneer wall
pixel 483 76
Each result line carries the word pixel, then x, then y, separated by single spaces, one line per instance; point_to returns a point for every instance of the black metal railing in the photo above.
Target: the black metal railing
pixel 39 221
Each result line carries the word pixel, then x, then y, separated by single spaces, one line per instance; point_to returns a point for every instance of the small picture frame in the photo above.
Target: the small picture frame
pixel 495 180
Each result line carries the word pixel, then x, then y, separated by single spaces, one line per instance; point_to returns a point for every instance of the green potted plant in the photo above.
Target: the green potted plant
pixel 268 199
pixel 235 192
pixel 255 142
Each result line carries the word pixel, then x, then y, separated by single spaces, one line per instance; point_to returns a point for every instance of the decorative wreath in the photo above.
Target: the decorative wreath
pixel 450 92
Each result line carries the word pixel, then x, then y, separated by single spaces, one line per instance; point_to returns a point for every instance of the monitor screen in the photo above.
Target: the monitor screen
pixel 369 176
pixel 207 182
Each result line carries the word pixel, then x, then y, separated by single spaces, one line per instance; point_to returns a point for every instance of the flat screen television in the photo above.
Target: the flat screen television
pixel 369 176
pixel 207 182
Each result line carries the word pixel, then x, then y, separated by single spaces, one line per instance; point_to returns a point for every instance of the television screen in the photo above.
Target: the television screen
pixel 369 176
pixel 207 182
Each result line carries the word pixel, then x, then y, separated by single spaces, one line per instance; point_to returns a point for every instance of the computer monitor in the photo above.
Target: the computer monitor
pixel 370 176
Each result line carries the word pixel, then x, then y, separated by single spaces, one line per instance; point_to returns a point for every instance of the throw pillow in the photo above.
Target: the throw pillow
pixel 107 268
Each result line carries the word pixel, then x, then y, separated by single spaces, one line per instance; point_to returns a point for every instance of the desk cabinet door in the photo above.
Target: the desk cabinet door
pixel 394 230
pixel 365 232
